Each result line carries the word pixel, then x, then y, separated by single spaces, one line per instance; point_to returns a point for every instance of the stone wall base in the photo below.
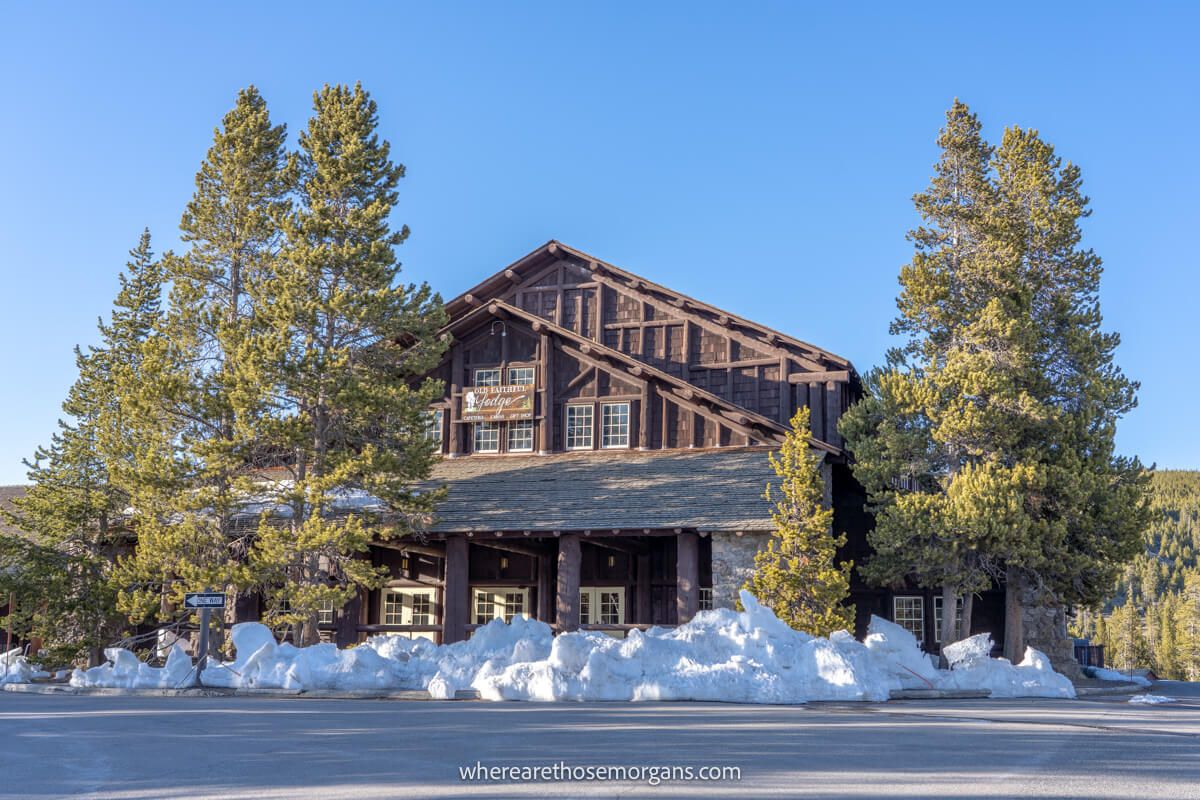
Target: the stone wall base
pixel 733 564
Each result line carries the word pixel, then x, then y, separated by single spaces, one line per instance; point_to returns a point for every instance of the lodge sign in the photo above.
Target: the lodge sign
pixel 497 403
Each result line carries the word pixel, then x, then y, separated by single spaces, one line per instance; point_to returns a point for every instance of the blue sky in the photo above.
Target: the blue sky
pixel 759 156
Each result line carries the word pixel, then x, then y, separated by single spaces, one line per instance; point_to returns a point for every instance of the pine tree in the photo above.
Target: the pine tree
pixel 202 405
pixel 796 574
pixel 347 345
pixel 1090 506
pixel 932 438
pixel 73 513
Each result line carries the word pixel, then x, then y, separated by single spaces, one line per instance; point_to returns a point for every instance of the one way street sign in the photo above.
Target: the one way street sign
pixel 204 600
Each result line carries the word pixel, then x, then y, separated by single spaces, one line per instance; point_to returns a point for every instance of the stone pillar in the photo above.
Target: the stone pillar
pixel 567 601
pixel 1045 628
pixel 687 576
pixel 456 601
pixel 732 564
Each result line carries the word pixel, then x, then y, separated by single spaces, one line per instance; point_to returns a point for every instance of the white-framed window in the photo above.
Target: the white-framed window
pixel 434 430
pixel 706 599
pixel 909 613
pixel 487 437
pixel 487 377
pixel 325 613
pixel 614 425
pixel 521 376
pixel 499 602
pixel 937 617
pixel 520 436
pixel 579 427
pixel 601 605
pixel 407 606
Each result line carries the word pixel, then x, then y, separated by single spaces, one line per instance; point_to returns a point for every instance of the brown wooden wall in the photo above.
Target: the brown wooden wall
pixel 762 378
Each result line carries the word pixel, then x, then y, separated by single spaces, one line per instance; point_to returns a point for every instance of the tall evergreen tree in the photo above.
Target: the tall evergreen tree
pixel 796 574
pixel 73 513
pixel 208 395
pixel 1091 506
pixel 346 343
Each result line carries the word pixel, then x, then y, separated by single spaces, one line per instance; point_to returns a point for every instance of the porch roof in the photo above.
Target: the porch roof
pixel 707 490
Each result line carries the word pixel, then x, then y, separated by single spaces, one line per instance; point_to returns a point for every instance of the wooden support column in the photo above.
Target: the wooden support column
pixel 816 405
pixel 454 445
pixel 349 618
pixel 545 592
pixel 644 605
pixel 456 603
pixel 687 575
pixel 546 424
pixel 833 413
pixel 644 418
pixel 785 392
pixel 567 601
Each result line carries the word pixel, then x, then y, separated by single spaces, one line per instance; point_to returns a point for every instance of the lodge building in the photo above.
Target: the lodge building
pixel 605 448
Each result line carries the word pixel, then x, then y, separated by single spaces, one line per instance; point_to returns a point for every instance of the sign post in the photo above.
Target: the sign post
pixel 205 602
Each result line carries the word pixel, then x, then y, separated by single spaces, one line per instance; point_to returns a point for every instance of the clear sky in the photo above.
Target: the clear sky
pixel 758 156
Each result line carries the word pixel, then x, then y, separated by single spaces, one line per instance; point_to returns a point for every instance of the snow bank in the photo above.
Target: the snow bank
pixel 1151 699
pixel 722 655
pixel 15 668
pixel 125 670
pixel 1112 675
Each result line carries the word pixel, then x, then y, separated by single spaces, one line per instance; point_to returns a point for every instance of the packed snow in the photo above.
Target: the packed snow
pixel 722 655
pixel 1112 675
pixel 1151 699
pixel 15 668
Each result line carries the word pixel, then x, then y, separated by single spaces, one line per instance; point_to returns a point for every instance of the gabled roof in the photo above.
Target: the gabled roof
pixel 732 415
pixel 553 251
pixel 707 490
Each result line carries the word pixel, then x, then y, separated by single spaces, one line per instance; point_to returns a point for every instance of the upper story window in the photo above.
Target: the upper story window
pixel 487 377
pixel 579 427
pixel 487 437
pixel 614 425
pixel 520 376
pixel 520 436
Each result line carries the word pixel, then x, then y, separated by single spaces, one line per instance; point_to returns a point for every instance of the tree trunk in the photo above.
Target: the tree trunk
pixel 964 630
pixel 947 633
pixel 1014 635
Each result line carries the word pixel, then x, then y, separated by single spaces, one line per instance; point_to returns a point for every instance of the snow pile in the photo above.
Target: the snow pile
pixel 125 670
pixel 15 668
pixel 721 655
pixel 1151 699
pixel 1112 675
pixel 971 667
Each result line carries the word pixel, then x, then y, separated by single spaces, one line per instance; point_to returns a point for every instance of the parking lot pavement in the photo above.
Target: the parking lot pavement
pixel 147 747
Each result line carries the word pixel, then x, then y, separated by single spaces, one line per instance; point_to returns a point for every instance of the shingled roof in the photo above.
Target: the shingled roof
pixel 707 490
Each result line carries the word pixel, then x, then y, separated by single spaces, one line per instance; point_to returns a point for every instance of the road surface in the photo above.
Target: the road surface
pixel 142 747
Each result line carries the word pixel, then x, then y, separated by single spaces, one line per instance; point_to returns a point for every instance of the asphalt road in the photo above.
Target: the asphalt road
pixel 139 747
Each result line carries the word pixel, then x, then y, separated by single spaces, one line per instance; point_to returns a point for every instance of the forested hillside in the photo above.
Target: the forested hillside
pixel 1153 618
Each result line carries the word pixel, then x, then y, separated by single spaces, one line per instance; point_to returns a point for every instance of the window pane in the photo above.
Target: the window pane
pixel 434 431
pixel 585 608
pixel 485 608
pixel 393 609
pixel 579 427
pixel 909 613
pixel 610 608
pixel 487 377
pixel 706 600
pixel 614 425
pixel 520 436
pixel 325 615
pixel 520 376
pixel 487 437
pixel 422 609
pixel 514 603
pixel 937 617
